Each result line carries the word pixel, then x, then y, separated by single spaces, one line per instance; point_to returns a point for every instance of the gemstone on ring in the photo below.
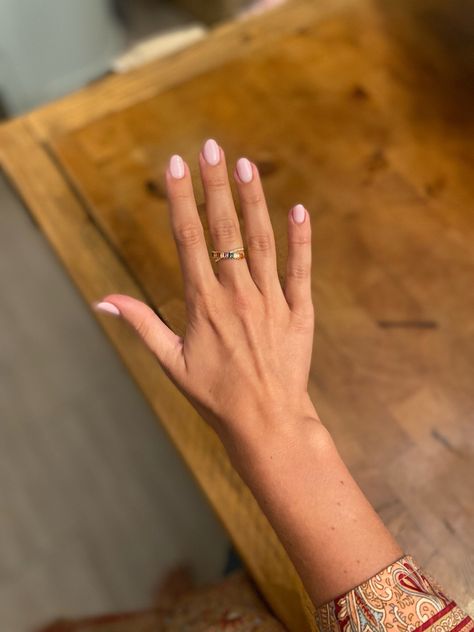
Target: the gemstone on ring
pixel 236 253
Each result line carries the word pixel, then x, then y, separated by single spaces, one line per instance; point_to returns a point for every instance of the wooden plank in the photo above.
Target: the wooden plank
pixel 393 234
pixel 96 271
pixel 227 41
pixel 393 254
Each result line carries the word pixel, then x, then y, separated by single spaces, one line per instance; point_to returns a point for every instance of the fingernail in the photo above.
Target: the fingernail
pixel 244 170
pixel 212 153
pixel 177 166
pixel 299 213
pixel 107 308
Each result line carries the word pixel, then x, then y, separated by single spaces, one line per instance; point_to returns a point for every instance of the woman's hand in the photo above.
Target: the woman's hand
pixel 244 364
pixel 245 358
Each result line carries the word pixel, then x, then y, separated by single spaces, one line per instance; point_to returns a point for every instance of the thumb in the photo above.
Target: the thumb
pixel 158 337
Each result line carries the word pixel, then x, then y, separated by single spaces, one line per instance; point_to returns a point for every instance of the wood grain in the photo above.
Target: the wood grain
pixel 393 251
pixel 338 116
pixel 225 42
pixel 97 270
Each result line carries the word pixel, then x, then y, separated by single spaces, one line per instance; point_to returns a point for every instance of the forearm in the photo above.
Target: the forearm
pixel 332 534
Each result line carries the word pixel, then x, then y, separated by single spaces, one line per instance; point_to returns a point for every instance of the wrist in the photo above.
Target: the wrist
pixel 327 526
pixel 277 441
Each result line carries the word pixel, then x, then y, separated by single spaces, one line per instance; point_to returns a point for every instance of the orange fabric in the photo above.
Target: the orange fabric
pixel 401 598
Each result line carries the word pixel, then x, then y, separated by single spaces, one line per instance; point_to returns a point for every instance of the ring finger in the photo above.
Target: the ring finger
pixel 222 217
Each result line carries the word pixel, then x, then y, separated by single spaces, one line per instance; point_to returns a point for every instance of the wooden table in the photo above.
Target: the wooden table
pixel 326 99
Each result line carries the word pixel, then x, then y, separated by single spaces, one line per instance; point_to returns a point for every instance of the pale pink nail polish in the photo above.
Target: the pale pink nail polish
pixel 244 170
pixel 177 166
pixel 107 308
pixel 299 213
pixel 212 153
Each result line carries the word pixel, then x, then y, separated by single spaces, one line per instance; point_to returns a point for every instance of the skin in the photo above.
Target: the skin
pixel 244 364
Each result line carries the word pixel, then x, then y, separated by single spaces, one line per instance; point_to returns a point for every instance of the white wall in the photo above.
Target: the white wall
pixel 50 47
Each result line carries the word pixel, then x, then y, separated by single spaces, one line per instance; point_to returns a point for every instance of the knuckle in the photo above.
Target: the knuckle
pixel 299 271
pixel 216 183
pixel 224 228
pixel 142 327
pixel 204 304
pixel 303 319
pixel 180 195
pixel 188 235
pixel 260 243
pixel 241 302
pixel 300 240
pixel 253 198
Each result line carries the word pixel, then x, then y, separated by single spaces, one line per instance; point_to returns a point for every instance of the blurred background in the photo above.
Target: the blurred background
pixel 50 48
pixel 95 505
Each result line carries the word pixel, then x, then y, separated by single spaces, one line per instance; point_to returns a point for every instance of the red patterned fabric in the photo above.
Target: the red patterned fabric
pixel 401 598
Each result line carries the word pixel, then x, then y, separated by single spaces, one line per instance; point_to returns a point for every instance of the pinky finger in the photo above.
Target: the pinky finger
pixel 298 269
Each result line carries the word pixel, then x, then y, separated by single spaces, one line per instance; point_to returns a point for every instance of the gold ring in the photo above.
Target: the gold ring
pixel 237 253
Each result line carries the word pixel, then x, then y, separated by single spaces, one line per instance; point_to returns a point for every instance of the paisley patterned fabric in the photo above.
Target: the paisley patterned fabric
pixel 401 598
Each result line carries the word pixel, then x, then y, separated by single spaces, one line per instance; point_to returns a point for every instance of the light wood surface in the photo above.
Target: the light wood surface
pixel 96 503
pixel 227 41
pixel 340 118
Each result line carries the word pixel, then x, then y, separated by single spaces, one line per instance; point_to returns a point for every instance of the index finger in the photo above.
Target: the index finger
pixel 187 228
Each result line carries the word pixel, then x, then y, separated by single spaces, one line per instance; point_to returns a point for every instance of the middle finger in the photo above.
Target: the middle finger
pixel 222 217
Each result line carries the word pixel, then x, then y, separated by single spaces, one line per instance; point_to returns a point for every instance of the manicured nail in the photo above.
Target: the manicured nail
pixel 108 308
pixel 299 213
pixel 244 170
pixel 212 153
pixel 177 167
